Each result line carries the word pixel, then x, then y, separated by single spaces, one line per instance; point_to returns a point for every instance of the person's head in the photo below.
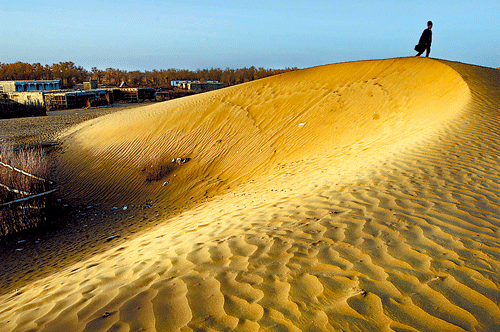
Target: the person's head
pixel 429 24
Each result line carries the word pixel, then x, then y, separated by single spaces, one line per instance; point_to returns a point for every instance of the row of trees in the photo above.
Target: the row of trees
pixel 70 74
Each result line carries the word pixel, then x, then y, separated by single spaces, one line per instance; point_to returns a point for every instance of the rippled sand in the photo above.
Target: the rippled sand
pixel 357 196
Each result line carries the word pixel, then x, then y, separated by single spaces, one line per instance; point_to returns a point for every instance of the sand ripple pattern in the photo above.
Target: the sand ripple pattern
pixel 409 243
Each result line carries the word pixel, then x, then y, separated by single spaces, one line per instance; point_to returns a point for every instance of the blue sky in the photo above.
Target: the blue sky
pixel 189 34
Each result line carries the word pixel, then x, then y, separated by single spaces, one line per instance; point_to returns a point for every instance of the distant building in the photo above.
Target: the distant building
pixel 28 97
pixel 170 94
pixel 200 86
pixel 28 92
pixel 134 95
pixel 181 83
pixel 96 97
pixel 23 86
pixel 77 99
pixel 90 85
pixel 47 94
pixel 87 85
pixel 176 83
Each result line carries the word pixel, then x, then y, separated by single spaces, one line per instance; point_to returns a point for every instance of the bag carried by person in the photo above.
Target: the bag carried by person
pixel 419 48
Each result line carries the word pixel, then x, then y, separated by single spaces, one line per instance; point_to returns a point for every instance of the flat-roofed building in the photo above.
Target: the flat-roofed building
pixel 200 86
pixel 28 97
pixel 77 99
pixel 26 86
pixel 90 85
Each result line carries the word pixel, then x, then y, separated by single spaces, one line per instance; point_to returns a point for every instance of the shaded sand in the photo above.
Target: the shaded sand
pixel 358 197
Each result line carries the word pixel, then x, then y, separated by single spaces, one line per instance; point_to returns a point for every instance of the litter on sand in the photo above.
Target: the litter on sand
pixel 112 237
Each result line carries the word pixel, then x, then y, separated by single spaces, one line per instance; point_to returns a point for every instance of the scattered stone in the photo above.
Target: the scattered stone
pixel 106 314
pixel 125 208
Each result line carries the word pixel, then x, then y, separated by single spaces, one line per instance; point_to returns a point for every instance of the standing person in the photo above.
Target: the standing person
pixel 424 44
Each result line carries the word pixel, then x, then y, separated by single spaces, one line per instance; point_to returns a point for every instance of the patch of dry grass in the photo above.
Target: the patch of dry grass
pixel 22 174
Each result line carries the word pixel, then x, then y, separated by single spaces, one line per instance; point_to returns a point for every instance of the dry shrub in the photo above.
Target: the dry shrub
pixel 11 109
pixel 16 185
pixel 157 170
pixel 30 160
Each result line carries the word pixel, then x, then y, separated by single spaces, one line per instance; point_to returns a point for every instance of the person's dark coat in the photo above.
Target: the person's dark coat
pixel 425 39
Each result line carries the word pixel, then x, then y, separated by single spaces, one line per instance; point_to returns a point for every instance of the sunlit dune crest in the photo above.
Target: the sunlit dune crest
pixel 358 196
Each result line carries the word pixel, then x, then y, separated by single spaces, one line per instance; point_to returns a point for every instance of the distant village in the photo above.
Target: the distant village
pixel 47 94
pixel 35 89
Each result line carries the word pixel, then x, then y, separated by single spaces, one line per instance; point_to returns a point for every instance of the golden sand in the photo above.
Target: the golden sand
pixel 357 197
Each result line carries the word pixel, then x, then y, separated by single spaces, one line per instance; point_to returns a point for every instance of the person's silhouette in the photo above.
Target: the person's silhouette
pixel 424 44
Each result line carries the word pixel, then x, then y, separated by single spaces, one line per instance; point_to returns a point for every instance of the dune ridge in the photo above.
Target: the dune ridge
pixel 381 216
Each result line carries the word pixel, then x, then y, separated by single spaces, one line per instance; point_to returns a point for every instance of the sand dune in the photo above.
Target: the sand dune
pixel 235 134
pixel 358 196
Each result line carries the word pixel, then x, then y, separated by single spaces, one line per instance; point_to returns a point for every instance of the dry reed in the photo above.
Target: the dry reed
pixel 22 174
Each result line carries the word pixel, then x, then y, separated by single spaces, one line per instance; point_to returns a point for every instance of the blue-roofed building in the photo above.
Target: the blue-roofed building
pixel 24 86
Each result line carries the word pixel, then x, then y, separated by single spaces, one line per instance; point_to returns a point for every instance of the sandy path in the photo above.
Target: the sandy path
pixel 398 232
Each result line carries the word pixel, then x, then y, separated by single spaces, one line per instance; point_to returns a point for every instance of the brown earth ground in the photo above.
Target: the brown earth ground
pixel 44 129
pixel 358 196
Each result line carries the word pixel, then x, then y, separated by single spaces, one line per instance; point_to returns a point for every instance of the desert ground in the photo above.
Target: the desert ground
pixel 360 196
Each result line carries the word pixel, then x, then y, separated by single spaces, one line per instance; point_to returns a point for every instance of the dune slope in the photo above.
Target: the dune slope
pixel 357 196
pixel 232 135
